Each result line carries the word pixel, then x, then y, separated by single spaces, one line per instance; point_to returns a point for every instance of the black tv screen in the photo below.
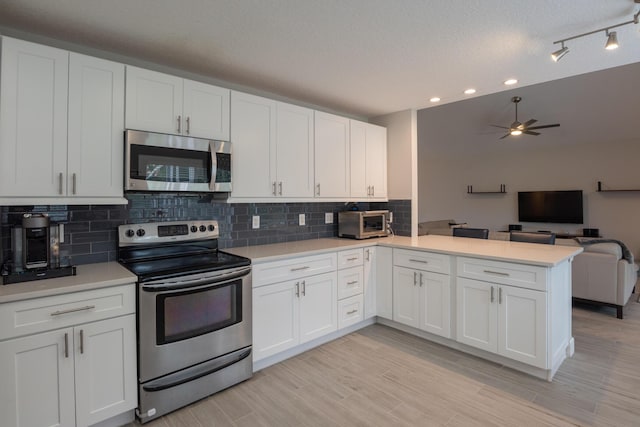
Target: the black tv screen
pixel 550 206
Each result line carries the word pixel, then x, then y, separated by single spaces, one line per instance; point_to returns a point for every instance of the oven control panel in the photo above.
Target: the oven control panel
pixel 170 231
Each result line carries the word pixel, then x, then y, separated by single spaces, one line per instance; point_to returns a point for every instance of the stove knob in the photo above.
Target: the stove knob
pixel 140 232
pixel 211 227
pixel 194 228
pixel 130 233
pixel 203 228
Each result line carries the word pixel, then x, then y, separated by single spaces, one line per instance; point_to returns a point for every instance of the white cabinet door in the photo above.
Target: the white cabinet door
pixel 318 306
pixel 253 137
pixel 153 101
pixel 33 119
pixel 384 282
pixel 360 188
pixel 332 156
pixel 435 303
pixel 370 281
pixel 96 126
pixel 37 380
pixel 477 315
pixel 205 110
pixel 522 325
pixel 275 319
pixel 294 156
pixel 406 304
pixel 376 161
pixel 105 360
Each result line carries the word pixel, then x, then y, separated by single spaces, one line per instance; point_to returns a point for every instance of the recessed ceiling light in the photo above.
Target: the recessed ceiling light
pixel 469 91
pixel 511 82
pixel 435 99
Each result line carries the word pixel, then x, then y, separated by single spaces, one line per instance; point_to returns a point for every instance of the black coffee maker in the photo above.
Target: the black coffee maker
pixel 35 241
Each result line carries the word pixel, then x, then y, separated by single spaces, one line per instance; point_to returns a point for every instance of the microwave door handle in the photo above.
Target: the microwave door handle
pixel 214 165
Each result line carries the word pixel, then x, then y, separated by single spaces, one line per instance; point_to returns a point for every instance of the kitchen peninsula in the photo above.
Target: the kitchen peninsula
pixel 508 302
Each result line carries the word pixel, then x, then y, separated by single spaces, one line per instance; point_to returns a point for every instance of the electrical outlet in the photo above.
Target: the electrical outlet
pixel 255 222
pixel 390 217
pixel 328 218
pixel 302 220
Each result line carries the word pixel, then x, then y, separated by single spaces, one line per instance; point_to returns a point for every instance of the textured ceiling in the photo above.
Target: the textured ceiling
pixel 359 57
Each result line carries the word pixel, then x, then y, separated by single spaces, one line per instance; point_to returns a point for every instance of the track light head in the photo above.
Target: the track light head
pixel 559 53
pixel 612 40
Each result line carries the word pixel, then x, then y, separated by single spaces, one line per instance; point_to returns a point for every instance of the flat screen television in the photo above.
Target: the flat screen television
pixel 563 207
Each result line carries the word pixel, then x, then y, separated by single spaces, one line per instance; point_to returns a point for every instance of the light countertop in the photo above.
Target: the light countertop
pixel 88 276
pixel 499 250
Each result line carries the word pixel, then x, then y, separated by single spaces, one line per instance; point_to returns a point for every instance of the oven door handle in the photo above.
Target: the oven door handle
pixel 204 279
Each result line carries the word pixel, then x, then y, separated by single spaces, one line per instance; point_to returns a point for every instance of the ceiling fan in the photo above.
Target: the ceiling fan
pixel 518 128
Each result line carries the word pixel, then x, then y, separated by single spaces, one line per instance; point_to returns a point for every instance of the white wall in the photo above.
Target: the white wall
pixel 595 142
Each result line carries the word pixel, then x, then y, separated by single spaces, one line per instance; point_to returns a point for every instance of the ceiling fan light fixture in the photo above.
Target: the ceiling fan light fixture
pixel 558 54
pixel 612 40
pixel 515 132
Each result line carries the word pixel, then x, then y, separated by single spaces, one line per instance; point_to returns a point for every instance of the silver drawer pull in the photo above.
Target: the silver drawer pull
pixel 351 312
pixel 73 310
pixel 353 282
pixel 419 260
pixel 499 273
pixel 306 267
pixel 355 258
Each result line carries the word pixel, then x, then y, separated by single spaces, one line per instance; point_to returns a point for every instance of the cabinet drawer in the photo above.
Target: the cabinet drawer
pixel 350 258
pixel 60 311
pixel 506 273
pixel 291 269
pixel 350 282
pixel 427 261
pixel 350 311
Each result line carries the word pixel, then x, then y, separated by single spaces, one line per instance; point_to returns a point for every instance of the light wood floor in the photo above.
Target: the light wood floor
pixel 379 376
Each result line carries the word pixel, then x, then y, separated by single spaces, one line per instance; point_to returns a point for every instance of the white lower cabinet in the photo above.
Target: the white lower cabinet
pixel 384 282
pixel 75 376
pixel 502 319
pixel 370 279
pixel 293 312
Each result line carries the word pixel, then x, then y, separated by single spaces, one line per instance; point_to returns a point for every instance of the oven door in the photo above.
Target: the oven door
pixel 187 320
pixel 161 162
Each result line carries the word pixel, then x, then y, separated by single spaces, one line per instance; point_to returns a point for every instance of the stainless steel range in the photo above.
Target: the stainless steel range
pixel 194 313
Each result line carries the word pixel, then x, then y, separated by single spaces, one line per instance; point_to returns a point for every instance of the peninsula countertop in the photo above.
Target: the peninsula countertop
pixel 499 250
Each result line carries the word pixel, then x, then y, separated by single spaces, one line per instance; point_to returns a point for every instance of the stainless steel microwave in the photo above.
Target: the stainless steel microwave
pixel 162 162
pixel 363 224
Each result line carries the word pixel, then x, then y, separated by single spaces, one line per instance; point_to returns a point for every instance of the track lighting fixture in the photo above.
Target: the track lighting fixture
pixel 612 37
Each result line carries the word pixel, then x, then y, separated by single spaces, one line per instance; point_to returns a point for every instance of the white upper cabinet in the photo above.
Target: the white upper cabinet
pixel 159 102
pixel 332 157
pixel 272 148
pixel 61 126
pixel 368 151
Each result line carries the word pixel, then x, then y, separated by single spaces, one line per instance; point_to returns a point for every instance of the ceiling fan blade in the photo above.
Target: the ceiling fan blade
pixel 528 132
pixel 528 123
pixel 555 125
pixel 506 135
pixel 502 127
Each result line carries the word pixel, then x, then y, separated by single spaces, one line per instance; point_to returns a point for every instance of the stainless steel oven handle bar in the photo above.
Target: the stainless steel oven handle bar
pixel 195 280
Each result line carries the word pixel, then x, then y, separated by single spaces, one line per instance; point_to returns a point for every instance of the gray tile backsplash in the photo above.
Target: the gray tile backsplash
pixel 90 230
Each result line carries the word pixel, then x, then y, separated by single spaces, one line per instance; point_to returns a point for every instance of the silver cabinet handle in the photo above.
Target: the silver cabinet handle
pixel 73 180
pixel 273 188
pixel 351 312
pixel 499 295
pixel 355 258
pixel 66 345
pixel 188 124
pixel 280 188
pixel 421 280
pixel 60 183
pixel 306 267
pixel 179 123
pixel 318 191
pixel 373 190
pixel 73 310
pixel 415 278
pixel 497 273
pixel 304 288
pixel 298 289
pixel 81 341
pixel 353 282
pixel 368 257
pixel 421 261
pixel 368 190
pixel 492 294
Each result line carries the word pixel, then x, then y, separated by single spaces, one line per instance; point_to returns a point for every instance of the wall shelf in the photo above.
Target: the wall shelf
pixel 600 190
pixel 503 190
